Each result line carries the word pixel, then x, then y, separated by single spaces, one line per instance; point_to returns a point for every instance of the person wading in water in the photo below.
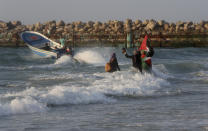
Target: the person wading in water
pixel 112 65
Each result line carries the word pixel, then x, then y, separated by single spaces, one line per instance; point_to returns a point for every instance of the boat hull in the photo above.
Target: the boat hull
pixel 36 42
pixel 43 53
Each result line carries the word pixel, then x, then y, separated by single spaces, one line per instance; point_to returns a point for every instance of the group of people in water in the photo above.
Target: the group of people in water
pixel 141 60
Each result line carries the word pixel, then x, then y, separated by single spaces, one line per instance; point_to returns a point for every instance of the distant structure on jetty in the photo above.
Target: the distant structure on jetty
pixel 112 32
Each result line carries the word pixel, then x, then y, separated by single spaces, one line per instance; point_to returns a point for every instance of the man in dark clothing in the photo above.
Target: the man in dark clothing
pixel 136 59
pixel 151 52
pixel 114 63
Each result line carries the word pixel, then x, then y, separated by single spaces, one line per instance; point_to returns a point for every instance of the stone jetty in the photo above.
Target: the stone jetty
pixel 111 33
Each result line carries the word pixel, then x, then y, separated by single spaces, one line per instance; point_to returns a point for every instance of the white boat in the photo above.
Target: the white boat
pixel 41 45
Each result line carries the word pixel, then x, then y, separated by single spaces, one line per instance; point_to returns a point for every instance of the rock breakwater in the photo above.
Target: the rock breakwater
pixel 112 32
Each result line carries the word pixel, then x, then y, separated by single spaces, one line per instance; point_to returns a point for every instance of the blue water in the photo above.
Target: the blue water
pixel 60 95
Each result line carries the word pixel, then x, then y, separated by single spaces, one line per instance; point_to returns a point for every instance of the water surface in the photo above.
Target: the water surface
pixel 59 95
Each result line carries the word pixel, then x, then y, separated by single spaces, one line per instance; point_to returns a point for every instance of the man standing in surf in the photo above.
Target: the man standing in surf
pixel 147 52
pixel 136 59
pixel 141 58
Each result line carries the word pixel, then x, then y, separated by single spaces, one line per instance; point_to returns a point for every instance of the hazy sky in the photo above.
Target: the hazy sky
pixel 32 11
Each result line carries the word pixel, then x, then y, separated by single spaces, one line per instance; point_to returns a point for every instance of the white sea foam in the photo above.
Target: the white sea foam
pixel 60 95
pixel 55 76
pixel 29 92
pixel 59 63
pixel 99 88
pixel 124 83
pixel 22 106
pixel 64 60
pixel 90 57
pixel 130 84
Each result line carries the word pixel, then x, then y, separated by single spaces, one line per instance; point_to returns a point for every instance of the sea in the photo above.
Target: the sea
pixel 41 94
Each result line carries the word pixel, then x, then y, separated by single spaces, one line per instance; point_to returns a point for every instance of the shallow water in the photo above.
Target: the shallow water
pixel 63 94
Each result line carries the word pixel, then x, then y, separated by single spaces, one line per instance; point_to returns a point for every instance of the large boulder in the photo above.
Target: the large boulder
pixel 202 23
pixel 38 25
pixel 136 25
pixel 59 30
pixel 161 22
pixel 179 23
pixel 78 25
pixel 118 25
pixel 30 27
pixel 52 25
pixel 60 23
pixel 128 22
pixel 188 26
pixel 3 24
pixel 103 26
pixel 166 27
pixel 171 29
pixel 50 22
pixel 82 30
pixel 68 28
pixel 151 25
pixel 137 22
pixel 206 26
pixel 52 28
pixel 198 27
pixel 145 22
pixel 179 26
pixel 97 24
pixel 20 28
pixel 190 23
pixel 10 25
pixel 90 23
pixel 16 23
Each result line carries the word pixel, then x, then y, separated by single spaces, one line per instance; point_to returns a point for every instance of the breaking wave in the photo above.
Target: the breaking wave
pixel 102 88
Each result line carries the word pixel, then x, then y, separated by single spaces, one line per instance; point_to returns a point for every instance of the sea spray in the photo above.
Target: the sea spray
pixel 90 57
pixel 66 59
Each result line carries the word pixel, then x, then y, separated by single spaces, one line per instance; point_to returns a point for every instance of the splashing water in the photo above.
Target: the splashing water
pixel 66 59
pixel 101 85
pixel 90 57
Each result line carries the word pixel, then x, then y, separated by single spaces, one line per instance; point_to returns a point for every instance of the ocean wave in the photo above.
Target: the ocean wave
pixel 22 106
pixel 101 88
pixel 184 67
pixel 130 83
pixel 61 95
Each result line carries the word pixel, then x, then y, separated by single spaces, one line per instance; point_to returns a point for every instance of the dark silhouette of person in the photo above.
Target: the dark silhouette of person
pixel 136 59
pixel 114 63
